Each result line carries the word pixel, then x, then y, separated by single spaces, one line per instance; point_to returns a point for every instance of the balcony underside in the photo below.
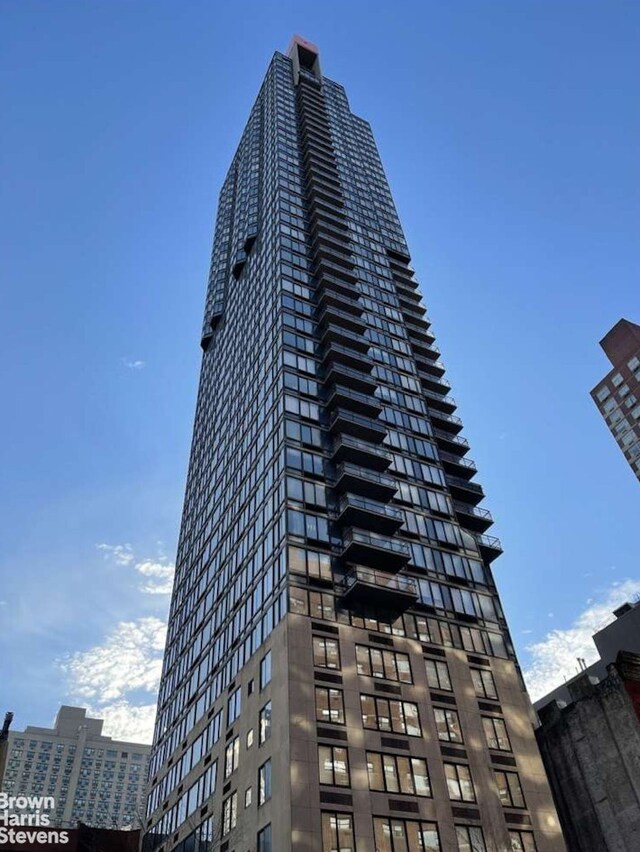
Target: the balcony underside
pixel 363 588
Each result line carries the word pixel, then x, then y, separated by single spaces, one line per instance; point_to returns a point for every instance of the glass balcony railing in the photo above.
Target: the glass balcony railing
pixel 361 402
pixel 357 425
pixel 357 471
pixel 362 539
pixel 369 506
pixel 391 583
pixel 340 373
pixel 490 546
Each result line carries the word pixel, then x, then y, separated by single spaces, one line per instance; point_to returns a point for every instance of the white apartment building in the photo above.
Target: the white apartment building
pixel 94 779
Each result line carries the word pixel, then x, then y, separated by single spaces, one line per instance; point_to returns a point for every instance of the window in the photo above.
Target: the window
pixel 333 763
pixel 448 725
pixel 483 683
pixel 234 705
pixel 326 653
pixel 509 789
pixel 623 391
pixel 383 714
pixel 264 839
pixel 250 738
pixel 264 782
pixel 470 838
pixel 248 796
pixel 399 835
pixel 329 705
pixel 337 833
pixel 229 813
pixel 459 782
pixel 265 723
pixel 616 380
pixel 388 665
pixel 265 670
pixel 398 774
pixel 231 756
pixel 495 731
pixel 522 841
pixel 438 675
pixel 634 363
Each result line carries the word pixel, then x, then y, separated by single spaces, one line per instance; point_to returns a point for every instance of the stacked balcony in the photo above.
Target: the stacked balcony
pixel 379 589
pixel 360 488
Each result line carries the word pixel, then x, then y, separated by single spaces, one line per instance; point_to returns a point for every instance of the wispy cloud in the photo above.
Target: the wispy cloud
pixel 554 658
pixel 133 363
pixel 158 573
pixel 105 676
pixel 118 679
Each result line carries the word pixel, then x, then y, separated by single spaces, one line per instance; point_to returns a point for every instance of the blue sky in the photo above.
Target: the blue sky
pixel 509 132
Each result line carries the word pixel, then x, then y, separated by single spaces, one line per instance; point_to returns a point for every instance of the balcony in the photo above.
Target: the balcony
pixel 445 422
pixel 338 374
pixel 330 229
pixel 428 369
pixel 415 315
pixel 361 403
pixel 374 550
pixel 332 314
pixel 489 546
pixel 473 517
pixel 443 403
pixel 458 466
pixel 345 304
pixel 364 481
pixel 366 588
pixel 425 350
pixel 366 458
pixel 435 384
pixel 451 443
pixel 372 515
pixel 319 216
pixel 334 353
pixel 466 492
pixel 332 333
pixel 337 242
pixel 327 267
pixel 356 425
pixel 417 332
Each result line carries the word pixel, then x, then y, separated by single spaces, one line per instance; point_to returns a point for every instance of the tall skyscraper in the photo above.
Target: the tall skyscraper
pixel 618 394
pixel 338 672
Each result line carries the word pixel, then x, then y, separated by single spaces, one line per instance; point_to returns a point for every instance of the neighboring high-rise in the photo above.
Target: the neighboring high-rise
pixel 92 778
pixel 618 394
pixel 338 672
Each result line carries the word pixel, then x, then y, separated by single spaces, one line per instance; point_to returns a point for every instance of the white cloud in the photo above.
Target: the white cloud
pixel 133 364
pixel 158 573
pixel 160 577
pixel 105 676
pixel 122 554
pixel 118 679
pixel 554 658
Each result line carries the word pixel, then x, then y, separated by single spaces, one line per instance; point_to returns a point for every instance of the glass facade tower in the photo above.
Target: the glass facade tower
pixel 338 673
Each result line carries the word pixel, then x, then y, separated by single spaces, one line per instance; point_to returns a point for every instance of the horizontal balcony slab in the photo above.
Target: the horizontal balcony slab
pixel 354 478
pixel 335 353
pixel 473 517
pixel 340 374
pixel 362 403
pixel 347 423
pixel 360 459
pixel 354 510
pixel 362 587
pixel 374 551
